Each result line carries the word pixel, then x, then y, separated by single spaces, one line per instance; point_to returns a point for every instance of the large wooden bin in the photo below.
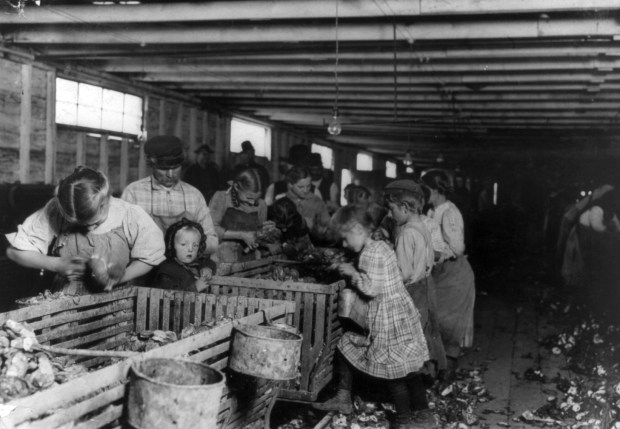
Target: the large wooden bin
pixel 316 317
pixel 103 321
pixel 247 268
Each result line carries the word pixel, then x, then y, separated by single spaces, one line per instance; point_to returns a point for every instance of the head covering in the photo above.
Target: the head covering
pixel 297 155
pixel 164 151
pixel 405 185
pixel 315 160
pixel 246 146
pixel 204 148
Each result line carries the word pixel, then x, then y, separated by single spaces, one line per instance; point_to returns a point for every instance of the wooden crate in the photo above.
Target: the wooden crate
pixel 316 317
pixel 248 268
pixel 103 321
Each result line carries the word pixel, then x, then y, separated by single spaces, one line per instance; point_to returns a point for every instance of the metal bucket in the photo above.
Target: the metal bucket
pixel 265 352
pixel 168 393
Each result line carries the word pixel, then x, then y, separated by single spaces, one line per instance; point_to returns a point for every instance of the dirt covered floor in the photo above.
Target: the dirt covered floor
pixel 543 356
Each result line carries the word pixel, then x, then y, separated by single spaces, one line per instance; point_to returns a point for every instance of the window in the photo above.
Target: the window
pixel 91 106
pixel 345 179
pixel 259 135
pixel 364 162
pixel 390 169
pixel 327 155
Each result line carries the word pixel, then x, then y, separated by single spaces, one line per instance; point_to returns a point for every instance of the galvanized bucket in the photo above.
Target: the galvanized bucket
pixel 168 393
pixel 265 352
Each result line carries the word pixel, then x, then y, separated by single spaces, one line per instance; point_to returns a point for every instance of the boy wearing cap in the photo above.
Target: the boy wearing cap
pixel 164 196
pixel 247 161
pixel 204 175
pixel 323 187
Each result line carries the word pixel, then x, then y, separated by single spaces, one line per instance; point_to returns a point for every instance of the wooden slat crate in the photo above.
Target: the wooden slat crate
pixel 248 268
pixel 96 399
pixel 316 317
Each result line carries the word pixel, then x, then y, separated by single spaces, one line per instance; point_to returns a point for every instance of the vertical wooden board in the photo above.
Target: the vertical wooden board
pixel 252 305
pixel 50 127
pixel 124 163
pixel 296 321
pixel 231 306
pixel 193 131
pixel 199 308
pixel 219 307
pixel 306 344
pixel 103 154
pixel 209 307
pixel 167 299
pixel 146 101
pixel 188 299
pixel 176 322
pixel 161 127
pixel 242 304
pixel 25 124
pixel 320 319
pixel 154 304
pixel 141 309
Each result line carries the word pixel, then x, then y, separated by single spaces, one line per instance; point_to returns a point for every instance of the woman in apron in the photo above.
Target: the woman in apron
pixel 92 241
pixel 454 278
pixel 238 213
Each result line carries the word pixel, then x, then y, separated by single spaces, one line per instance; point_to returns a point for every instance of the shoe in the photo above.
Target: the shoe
pixel 424 419
pixel 449 374
pixel 341 402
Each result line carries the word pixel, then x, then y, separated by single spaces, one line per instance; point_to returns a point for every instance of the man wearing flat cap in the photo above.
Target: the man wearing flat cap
pixel 163 195
pixel 204 175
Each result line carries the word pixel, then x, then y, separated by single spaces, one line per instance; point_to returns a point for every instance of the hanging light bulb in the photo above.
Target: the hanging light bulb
pixel 408 158
pixel 335 127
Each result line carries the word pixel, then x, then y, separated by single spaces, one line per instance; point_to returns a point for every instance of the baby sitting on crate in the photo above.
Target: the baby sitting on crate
pixel 186 266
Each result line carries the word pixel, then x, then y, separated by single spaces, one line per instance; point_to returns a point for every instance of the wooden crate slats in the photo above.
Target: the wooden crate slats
pixel 61 318
pixel 109 415
pixel 63 304
pixel 306 344
pixel 166 306
pixel 298 306
pixel 211 352
pixel 155 296
pixel 320 320
pixel 227 268
pixel 209 307
pixel 72 329
pixel 99 336
pixel 188 309
pixel 83 393
pixel 274 285
pixel 74 412
pixel 141 301
pixel 176 306
pixel 199 306
pixel 241 308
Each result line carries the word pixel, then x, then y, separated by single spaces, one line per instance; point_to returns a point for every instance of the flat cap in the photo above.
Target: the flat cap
pixel 204 148
pixel 405 185
pixel 297 155
pixel 164 151
pixel 246 146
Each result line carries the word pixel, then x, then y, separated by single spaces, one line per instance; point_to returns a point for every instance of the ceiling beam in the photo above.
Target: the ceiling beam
pixel 470 29
pixel 292 9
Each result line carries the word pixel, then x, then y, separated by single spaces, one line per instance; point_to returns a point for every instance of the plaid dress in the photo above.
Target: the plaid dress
pixel 395 344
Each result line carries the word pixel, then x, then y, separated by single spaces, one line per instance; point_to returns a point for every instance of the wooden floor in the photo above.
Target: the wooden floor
pixel 506 343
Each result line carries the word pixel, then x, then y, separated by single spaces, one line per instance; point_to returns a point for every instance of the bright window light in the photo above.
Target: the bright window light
pixel 259 135
pixel 327 155
pixel 364 162
pixel 345 179
pixel 390 169
pixel 90 106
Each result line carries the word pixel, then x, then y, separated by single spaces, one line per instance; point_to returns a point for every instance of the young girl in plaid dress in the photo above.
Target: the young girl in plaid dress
pixel 393 347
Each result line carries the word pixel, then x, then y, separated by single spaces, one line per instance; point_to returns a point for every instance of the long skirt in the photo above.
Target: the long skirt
pixel 456 295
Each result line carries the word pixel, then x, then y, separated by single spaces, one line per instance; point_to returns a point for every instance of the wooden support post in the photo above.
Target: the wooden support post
pixel 276 153
pixel 103 154
pixel 192 133
pixel 25 126
pixel 124 162
pixel 145 122
pixel 50 127
pixel 178 127
pixel 225 136
pixel 80 149
pixel 205 127
pixel 161 127
pixel 220 150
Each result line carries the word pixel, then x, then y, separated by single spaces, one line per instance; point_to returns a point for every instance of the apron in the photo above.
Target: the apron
pixel 423 294
pixel 111 246
pixel 456 295
pixel 237 220
pixel 165 221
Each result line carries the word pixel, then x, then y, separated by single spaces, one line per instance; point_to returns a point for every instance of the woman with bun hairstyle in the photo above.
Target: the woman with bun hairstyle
pixel 454 278
pixel 91 240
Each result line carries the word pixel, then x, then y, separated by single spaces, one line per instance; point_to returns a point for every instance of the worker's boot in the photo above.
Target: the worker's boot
pixel 340 402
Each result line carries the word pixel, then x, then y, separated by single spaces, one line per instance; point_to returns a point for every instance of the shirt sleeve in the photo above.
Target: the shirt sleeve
pixel 203 217
pixel 128 195
pixel 146 240
pixel 218 207
pixel 452 227
pixel 405 248
pixel 333 194
pixel 269 194
pixel 262 212
pixel 37 232
pixel 372 272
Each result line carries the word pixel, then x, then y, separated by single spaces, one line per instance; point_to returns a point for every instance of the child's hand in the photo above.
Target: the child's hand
pixel 201 284
pixel 249 238
pixel 206 273
pixel 345 268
